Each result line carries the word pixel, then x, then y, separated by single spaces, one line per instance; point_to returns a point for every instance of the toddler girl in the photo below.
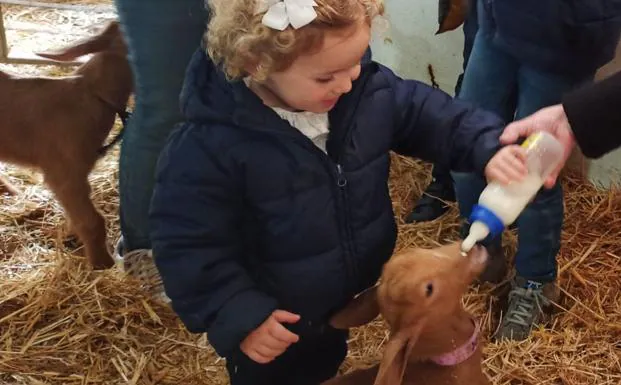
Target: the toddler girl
pixel 271 208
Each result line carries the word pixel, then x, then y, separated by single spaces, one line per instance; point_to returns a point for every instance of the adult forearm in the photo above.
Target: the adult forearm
pixel 594 114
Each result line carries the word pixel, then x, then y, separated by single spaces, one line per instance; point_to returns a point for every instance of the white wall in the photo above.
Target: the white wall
pixel 410 45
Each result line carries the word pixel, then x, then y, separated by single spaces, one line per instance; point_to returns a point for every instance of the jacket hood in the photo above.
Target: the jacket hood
pixel 207 95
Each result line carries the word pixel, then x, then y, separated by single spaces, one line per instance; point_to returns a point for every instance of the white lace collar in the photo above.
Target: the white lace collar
pixel 313 125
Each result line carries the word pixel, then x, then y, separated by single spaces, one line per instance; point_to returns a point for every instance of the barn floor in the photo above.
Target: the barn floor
pixel 61 323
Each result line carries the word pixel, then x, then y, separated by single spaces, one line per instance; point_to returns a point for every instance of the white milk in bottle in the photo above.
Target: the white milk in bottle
pixel 500 205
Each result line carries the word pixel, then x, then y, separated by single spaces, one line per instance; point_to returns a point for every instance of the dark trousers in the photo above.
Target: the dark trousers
pixel 442 174
pixel 310 361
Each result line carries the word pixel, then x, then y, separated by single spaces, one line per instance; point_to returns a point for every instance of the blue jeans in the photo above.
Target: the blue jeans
pixel 496 81
pixel 161 35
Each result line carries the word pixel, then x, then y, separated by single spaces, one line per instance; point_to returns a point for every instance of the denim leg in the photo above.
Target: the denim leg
pixel 162 35
pixel 540 224
pixel 489 82
pixel 470 28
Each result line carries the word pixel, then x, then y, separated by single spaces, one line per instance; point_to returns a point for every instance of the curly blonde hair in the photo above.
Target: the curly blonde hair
pixel 236 38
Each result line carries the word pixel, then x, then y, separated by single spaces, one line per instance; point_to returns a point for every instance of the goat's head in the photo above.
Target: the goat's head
pixel 417 287
pixel 109 39
pixel 108 72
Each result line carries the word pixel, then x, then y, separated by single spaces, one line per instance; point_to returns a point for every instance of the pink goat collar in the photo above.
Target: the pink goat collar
pixel 462 353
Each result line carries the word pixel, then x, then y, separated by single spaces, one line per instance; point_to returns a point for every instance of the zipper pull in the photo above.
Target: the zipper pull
pixel 341 180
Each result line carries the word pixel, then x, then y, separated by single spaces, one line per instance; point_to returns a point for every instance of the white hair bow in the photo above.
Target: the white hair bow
pixel 280 13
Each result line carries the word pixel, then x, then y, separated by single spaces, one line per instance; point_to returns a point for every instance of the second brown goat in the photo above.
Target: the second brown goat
pixel 59 124
pixel 433 339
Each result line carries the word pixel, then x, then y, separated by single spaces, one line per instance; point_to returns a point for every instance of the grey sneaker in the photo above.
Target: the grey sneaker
pixel 530 304
pixel 139 264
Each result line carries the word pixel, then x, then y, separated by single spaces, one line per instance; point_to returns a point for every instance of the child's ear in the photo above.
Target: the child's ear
pixel 251 70
pixel 252 67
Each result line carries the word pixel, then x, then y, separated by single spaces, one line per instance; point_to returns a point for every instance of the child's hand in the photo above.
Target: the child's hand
pixel 270 339
pixel 508 165
pixel 550 119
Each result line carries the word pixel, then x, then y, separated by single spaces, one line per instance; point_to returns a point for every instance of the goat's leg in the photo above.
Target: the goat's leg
pixel 73 193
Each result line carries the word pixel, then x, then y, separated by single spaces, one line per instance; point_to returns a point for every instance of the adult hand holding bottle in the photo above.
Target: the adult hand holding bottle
pixel 588 117
pixel 515 174
pixel 552 120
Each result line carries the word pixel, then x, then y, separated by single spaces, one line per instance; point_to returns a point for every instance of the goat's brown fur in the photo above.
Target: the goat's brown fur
pixel 419 296
pixel 57 125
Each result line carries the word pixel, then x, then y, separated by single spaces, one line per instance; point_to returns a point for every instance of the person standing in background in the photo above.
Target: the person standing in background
pixel 432 204
pixel 520 64
pixel 162 35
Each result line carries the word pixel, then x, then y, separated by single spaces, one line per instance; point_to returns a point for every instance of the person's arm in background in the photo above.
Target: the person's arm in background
pixel 589 116
pixel 594 115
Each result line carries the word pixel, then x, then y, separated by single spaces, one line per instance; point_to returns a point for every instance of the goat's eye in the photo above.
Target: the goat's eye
pixel 429 289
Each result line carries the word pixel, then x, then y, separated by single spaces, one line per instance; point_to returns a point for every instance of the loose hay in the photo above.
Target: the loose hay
pixel 61 323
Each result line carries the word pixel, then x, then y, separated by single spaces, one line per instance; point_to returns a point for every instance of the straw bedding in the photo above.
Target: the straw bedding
pixel 61 323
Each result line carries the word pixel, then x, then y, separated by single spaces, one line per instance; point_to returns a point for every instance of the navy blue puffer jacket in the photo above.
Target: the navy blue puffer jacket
pixel 249 216
pixel 570 37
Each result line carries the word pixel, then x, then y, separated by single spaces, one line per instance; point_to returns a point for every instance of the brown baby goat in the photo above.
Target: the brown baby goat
pixel 58 126
pixel 433 340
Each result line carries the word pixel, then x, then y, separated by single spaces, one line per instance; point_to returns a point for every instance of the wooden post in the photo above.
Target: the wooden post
pixel 4 47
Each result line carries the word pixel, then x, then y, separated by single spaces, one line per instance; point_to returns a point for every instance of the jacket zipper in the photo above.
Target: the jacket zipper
pixel 349 236
pixel 336 171
pixel 341 182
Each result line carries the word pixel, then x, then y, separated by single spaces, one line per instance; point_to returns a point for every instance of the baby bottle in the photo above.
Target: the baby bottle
pixel 499 205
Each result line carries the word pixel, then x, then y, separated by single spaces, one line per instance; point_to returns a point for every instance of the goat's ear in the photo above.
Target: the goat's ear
pixel 91 44
pixel 396 355
pixel 361 310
